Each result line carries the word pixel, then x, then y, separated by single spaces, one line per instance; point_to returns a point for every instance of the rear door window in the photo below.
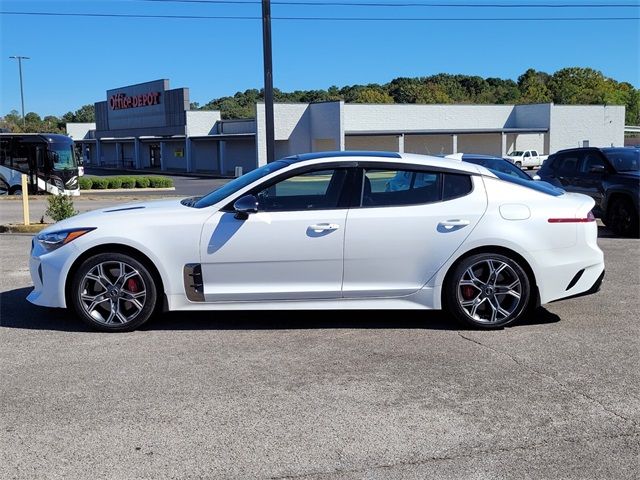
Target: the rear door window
pixel 391 188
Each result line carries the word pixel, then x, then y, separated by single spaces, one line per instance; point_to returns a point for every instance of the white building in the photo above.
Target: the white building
pixel 149 126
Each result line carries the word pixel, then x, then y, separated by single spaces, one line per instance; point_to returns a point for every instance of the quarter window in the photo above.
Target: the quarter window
pixel 456 185
pixel 387 188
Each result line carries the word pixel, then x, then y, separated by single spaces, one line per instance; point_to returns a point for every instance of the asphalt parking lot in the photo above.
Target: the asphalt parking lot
pixel 320 395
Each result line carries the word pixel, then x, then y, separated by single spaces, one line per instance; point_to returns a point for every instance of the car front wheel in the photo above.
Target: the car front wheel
pixel 487 290
pixel 113 292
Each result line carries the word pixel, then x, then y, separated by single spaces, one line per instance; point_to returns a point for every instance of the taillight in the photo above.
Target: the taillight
pixel 589 218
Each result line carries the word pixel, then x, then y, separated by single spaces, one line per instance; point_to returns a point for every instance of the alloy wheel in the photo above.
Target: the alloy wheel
pixel 489 291
pixel 113 292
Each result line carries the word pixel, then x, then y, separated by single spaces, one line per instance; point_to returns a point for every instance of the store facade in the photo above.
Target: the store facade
pixel 150 126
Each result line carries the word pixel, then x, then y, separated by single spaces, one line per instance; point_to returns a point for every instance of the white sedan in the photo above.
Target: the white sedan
pixel 342 230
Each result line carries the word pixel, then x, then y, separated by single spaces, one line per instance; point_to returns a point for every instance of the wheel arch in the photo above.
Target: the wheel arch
pixel 115 248
pixel 507 252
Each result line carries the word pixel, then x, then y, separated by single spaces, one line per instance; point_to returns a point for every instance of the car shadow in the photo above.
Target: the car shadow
pixel 17 312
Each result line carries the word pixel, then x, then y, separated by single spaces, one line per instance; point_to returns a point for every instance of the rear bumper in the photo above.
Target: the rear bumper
pixel 595 288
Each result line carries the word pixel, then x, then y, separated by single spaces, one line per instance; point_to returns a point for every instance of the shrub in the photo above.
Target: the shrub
pixel 142 182
pixel 160 182
pixel 60 207
pixel 85 183
pixel 100 183
pixel 114 182
pixel 128 182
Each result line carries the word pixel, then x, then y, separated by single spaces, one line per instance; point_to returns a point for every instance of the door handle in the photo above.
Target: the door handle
pixel 324 227
pixel 449 224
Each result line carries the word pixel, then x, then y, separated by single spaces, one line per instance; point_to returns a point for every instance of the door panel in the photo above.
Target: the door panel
pixel 394 251
pixel 291 249
pixel 273 256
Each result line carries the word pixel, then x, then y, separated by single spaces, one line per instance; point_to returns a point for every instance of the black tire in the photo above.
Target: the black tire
pixel 15 191
pixel 622 217
pixel 519 164
pixel 113 292
pixel 462 293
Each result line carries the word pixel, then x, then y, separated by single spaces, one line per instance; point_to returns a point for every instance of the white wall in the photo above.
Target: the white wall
pixel 292 123
pixel 532 116
pixel 327 126
pixel 201 122
pixel 363 117
pixel 527 141
pixel 78 131
pixel 379 143
pixel 602 125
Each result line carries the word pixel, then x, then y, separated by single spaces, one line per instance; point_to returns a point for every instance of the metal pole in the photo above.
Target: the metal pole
pixel 20 58
pixel 268 79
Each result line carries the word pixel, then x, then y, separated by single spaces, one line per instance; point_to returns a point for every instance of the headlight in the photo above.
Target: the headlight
pixel 53 240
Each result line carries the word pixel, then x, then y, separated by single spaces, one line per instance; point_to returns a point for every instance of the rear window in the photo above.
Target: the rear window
pixel 539 186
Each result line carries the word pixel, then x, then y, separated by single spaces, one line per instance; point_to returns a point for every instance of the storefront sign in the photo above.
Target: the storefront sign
pixel 121 101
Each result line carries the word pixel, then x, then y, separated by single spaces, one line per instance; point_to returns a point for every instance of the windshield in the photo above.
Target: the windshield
pixel 63 156
pixel 624 159
pixel 497 164
pixel 238 184
pixel 516 153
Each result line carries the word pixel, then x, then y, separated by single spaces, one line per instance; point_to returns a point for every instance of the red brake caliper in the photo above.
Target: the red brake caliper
pixel 468 292
pixel 132 285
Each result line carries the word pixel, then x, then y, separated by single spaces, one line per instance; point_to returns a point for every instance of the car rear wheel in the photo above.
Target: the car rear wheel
pixel 113 292
pixel 487 290
pixel 622 218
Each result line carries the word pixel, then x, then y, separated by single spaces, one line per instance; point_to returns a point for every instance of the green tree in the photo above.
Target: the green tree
pixel 372 95
pixel 533 87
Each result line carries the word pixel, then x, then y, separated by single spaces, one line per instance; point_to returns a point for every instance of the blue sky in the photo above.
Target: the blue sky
pixel 74 60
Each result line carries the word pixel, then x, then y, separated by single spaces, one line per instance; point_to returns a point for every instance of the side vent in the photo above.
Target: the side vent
pixel 193 284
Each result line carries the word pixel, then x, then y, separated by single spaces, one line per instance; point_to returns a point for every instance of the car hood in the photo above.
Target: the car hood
pixel 126 211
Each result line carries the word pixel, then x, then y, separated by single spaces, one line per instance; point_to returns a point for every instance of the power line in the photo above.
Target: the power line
pixel 405 4
pixel 330 19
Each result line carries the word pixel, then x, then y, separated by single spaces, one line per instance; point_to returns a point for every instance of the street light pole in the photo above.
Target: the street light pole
pixel 268 79
pixel 20 58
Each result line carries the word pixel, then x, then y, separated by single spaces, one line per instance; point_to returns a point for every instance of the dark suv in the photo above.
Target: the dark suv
pixel 610 175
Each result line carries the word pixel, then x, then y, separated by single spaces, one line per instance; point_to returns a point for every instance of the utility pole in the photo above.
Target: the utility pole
pixel 20 58
pixel 268 79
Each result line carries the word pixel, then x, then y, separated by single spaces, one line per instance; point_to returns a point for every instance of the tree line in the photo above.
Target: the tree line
pixel 573 86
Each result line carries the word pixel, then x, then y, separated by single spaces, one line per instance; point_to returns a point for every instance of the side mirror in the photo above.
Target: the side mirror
pixel 244 206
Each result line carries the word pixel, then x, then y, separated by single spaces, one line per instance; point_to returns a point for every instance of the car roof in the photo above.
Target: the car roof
pixel 387 157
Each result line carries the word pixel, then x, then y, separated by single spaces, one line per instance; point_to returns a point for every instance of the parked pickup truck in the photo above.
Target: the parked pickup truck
pixel 526 158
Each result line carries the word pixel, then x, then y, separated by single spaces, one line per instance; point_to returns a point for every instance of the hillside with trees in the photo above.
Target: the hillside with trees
pixel 572 85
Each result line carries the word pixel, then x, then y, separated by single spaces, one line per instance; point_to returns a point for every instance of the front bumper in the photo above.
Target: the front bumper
pixel 48 274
